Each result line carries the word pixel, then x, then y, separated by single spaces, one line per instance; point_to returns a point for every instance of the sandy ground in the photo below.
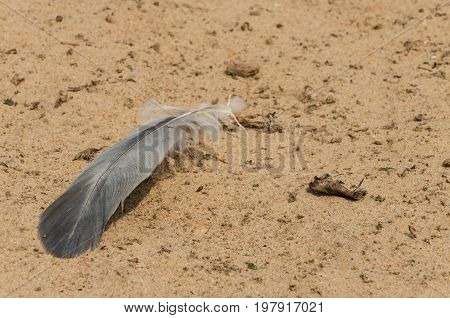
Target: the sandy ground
pixel 234 219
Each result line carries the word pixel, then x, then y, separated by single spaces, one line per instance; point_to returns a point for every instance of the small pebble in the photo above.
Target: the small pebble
pixel 9 102
pixel 446 163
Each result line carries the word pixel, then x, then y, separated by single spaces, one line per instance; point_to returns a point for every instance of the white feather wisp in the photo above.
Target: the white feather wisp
pixel 75 221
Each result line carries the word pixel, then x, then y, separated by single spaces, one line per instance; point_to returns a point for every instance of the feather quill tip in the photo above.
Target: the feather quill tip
pixel 236 104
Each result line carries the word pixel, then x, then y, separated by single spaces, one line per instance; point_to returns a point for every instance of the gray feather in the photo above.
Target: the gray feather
pixel 75 222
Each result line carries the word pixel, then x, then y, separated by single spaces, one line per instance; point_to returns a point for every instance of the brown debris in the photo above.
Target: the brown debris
pixel 412 45
pixel 156 47
pixel 412 232
pixel 326 185
pixel 241 69
pixel 17 79
pixel 9 102
pixel 246 27
pixel 200 188
pixel 251 122
pixel 365 278
pixel 292 197
pixel 446 163
pixel 109 18
pixel 81 87
pixel 11 51
pixel 268 124
pixel 33 105
pixel 305 96
pixel 62 98
pixel 87 154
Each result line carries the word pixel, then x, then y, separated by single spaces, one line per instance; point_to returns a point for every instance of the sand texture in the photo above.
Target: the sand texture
pixel 356 89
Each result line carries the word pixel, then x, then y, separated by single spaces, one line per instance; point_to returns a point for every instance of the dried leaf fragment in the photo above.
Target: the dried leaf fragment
pixel 328 186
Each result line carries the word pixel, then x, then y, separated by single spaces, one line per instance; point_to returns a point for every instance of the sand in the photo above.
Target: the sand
pixel 359 90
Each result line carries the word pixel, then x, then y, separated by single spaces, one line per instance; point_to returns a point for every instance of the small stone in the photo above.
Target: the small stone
pixel 241 69
pixel 9 102
pixel 59 18
pixel 200 188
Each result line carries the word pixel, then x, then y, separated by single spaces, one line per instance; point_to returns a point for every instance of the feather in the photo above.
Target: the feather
pixel 75 222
